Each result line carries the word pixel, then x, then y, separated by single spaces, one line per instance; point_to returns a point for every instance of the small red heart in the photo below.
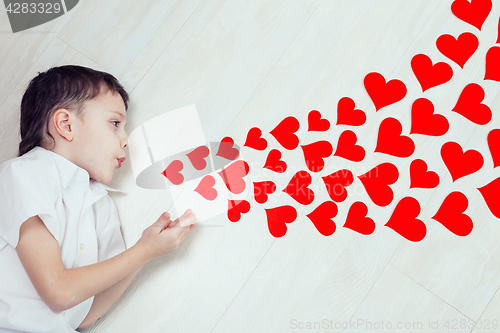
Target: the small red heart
pixel 337 182
pixel 254 139
pixel 356 219
pixel 277 217
pixel 236 208
pixel 458 50
pixel 469 105
pixel 274 163
pixel 420 177
pixel 233 175
pixel 494 144
pixel 377 181
pixel 315 153
pixel 284 133
pixel 404 220
pixel 474 12
pixel 451 215
pixel 226 149
pixel 381 93
pixel 322 217
pixel 316 123
pixel 205 188
pixel 391 142
pixel 261 189
pixel 424 121
pixel 172 172
pixel 347 147
pixel 460 164
pixel 490 194
pixel 197 157
pixel 493 64
pixel 498 35
pixel 430 75
pixel 298 189
pixel 346 115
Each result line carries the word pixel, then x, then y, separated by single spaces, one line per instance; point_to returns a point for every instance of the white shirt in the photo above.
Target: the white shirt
pixel 75 209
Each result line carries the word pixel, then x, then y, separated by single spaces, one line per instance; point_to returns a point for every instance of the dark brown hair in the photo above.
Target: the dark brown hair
pixel 64 87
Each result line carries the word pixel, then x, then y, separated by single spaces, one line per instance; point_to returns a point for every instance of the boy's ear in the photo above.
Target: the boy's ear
pixel 63 122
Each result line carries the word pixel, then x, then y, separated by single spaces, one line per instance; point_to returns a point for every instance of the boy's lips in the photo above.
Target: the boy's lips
pixel 120 161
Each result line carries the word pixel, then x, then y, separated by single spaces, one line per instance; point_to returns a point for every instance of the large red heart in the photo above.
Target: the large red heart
pixel 298 189
pixel 346 115
pixel 274 163
pixel 226 149
pixel 474 12
pixel 348 149
pixel 284 133
pixel 322 217
pixel 460 164
pixel 316 123
pixel 451 215
pixel 420 177
pixel 430 75
pixel 494 144
pixel 469 105
pixel 424 121
pixel 381 93
pixel 493 64
pixel 233 175
pixel 356 219
pixel 337 182
pixel 236 208
pixel 205 188
pixel 458 50
pixel 377 181
pixel 261 189
pixel 172 172
pixel 277 217
pixel 315 153
pixel 254 139
pixel 404 220
pixel 197 157
pixel 391 142
pixel 490 194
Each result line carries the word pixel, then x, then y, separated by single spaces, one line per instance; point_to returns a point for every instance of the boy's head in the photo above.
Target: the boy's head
pixel 78 113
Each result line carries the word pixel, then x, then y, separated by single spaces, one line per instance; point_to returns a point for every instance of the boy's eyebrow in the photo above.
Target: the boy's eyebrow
pixel 119 113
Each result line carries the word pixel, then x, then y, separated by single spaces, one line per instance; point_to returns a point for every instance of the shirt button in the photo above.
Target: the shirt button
pixel 82 246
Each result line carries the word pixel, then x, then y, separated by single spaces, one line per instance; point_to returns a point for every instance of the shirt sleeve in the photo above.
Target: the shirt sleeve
pixel 110 240
pixel 27 191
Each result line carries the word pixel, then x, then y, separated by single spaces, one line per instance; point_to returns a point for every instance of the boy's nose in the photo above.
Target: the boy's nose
pixel 125 142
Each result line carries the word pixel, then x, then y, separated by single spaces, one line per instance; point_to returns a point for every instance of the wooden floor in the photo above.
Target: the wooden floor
pixel 253 63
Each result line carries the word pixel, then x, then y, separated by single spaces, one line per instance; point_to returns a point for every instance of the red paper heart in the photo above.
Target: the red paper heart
pixel 377 181
pixel 315 153
pixel 424 121
pixel 451 215
pixel 277 217
pixel 205 188
pixel 460 164
pixel 494 144
pixel 430 75
pixel 356 219
pixel 236 208
pixel 391 142
pixel 298 189
pixel 254 139
pixel 172 172
pixel 420 177
pixel 284 133
pixel 322 217
pixel 337 182
pixel 346 115
pixel 348 149
pixel 316 123
pixel 498 35
pixel 274 163
pixel 474 12
pixel 458 50
pixel 493 64
pixel 233 175
pixel 261 189
pixel 197 157
pixel 226 149
pixel 469 105
pixel 490 195
pixel 404 220
pixel 381 93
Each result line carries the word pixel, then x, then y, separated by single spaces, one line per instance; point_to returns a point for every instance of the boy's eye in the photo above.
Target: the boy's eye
pixel 117 122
